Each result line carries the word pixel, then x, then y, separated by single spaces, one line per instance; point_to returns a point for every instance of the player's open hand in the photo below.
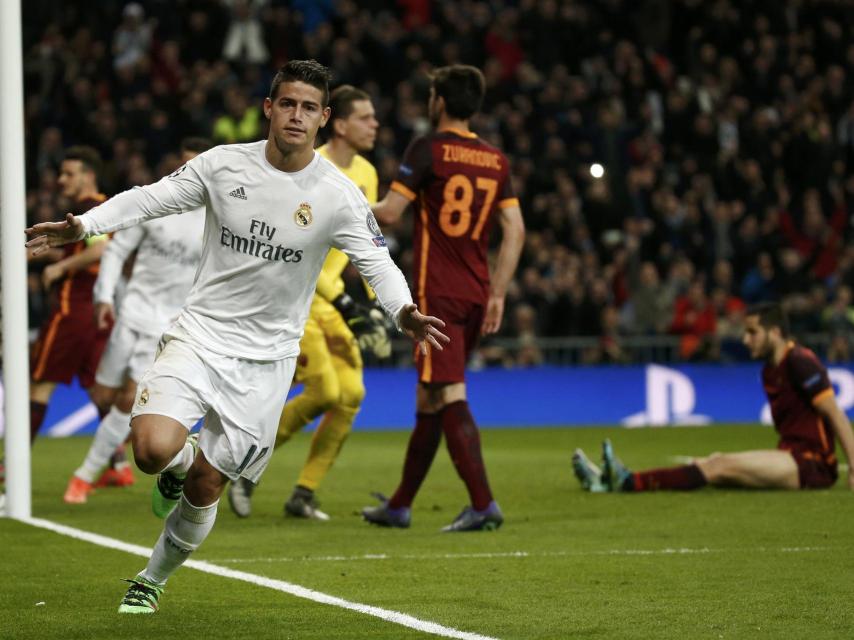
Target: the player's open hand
pixel 493 315
pixel 423 329
pixel 45 235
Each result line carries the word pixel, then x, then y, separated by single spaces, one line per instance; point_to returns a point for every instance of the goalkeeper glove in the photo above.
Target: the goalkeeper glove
pixel 377 341
pixel 357 316
pixel 367 324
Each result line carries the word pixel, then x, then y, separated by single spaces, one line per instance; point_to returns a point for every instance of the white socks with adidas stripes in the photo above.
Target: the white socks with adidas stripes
pixel 113 430
pixel 186 528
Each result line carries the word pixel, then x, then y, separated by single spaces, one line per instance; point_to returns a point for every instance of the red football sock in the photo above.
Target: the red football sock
pixel 463 440
pixel 682 478
pixel 423 444
pixel 37 411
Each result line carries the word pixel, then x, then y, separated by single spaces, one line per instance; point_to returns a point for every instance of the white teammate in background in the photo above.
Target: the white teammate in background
pixel 273 210
pixel 168 254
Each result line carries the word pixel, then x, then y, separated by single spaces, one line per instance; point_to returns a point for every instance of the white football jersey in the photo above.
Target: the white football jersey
pixel 168 251
pixel 267 233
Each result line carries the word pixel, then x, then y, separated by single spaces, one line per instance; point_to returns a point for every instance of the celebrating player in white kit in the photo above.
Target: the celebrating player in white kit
pixel 273 210
pixel 168 251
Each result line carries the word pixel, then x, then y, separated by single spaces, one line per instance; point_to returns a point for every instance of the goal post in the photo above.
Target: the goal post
pixel 13 270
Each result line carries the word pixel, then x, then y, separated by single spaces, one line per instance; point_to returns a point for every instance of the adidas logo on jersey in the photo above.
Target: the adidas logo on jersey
pixel 238 193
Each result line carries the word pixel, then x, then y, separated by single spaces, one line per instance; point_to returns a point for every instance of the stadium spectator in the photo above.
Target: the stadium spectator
pixel 132 38
pixel 244 41
pixel 694 319
pixel 724 129
pixel 240 123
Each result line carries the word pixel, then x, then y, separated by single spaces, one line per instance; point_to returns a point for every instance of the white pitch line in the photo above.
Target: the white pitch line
pixel 681 551
pixel 278 585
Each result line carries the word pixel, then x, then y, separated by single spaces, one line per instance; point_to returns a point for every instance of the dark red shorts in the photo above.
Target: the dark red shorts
pixel 463 320
pixel 815 470
pixel 69 344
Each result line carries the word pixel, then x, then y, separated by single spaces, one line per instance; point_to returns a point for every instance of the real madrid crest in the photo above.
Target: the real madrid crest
pixel 143 398
pixel 303 216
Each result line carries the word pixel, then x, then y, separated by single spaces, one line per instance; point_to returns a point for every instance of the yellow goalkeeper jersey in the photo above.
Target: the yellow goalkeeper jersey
pixel 330 284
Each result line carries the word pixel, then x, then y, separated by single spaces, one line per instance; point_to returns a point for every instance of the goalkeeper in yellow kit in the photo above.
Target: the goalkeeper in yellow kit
pixel 330 361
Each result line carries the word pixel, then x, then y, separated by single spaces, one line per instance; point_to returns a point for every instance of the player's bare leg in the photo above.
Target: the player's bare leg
pixel 762 469
pixel 156 440
pixel 433 398
pixel 185 529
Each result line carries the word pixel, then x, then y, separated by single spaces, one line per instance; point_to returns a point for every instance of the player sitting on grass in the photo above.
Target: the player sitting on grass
pixel 805 415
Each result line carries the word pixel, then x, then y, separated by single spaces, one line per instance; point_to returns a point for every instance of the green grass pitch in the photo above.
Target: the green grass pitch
pixel 710 564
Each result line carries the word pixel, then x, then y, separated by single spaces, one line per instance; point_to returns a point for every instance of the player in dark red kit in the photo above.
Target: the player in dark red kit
pixel 462 187
pixel 70 342
pixel 806 417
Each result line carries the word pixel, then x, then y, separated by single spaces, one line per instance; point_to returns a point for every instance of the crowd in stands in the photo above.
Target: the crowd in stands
pixel 723 131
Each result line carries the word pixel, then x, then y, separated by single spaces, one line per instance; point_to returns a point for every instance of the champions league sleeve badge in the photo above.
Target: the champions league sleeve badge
pixel 303 216
pixel 374 228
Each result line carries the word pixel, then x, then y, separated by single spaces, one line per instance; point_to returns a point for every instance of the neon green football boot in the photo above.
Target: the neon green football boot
pixel 142 596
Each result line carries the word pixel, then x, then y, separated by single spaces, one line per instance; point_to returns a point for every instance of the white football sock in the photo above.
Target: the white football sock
pixel 181 463
pixel 112 431
pixel 186 528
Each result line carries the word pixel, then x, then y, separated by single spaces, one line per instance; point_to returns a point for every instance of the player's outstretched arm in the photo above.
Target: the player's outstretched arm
pixel 46 235
pixel 512 241
pixel 423 329
pixel 830 410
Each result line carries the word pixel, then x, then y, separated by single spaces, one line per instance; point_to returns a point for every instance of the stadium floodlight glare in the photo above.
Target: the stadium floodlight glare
pixel 597 170
pixel 14 264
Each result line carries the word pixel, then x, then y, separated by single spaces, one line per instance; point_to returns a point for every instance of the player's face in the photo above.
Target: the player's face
pixel 73 178
pixel 295 114
pixel 757 339
pixel 360 128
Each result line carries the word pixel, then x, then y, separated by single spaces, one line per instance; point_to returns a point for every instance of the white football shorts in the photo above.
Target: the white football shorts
pixel 240 400
pixel 129 353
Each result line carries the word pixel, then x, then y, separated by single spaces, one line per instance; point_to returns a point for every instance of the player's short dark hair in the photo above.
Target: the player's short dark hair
pixel 341 101
pixel 308 71
pixel 195 144
pixel 87 156
pixel 771 314
pixel 462 86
